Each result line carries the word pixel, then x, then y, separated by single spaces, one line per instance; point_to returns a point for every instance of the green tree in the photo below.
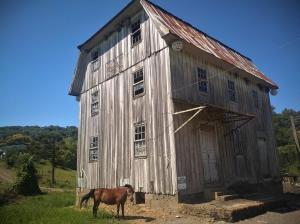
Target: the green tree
pixel 11 158
pixel 287 151
pixel 27 180
pixel 18 139
pixel 67 153
pixel 51 141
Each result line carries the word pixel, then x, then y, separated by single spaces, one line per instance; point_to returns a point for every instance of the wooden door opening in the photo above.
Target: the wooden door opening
pixel 263 157
pixel 209 150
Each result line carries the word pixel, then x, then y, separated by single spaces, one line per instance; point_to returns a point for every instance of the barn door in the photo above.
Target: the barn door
pixel 208 152
pixel 263 157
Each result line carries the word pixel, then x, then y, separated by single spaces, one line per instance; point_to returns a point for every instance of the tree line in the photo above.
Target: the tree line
pixel 286 147
pixel 58 144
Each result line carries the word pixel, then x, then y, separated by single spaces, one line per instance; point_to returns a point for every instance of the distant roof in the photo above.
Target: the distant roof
pixel 205 42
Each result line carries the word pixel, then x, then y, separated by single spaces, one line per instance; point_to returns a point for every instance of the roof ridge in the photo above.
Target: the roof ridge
pixel 197 29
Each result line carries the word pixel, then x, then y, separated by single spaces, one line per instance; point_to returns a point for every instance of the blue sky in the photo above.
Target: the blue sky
pixel 38 48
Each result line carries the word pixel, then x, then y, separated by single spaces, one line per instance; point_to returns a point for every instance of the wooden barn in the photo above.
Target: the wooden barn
pixel 169 109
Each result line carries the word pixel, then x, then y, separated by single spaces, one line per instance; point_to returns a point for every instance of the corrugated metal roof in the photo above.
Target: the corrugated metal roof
pixel 204 42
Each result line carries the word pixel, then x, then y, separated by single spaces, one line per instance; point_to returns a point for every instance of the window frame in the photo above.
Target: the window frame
pixel 141 140
pixel 96 65
pixel 231 91
pixel 93 52
pixel 95 60
pixel 94 146
pixel 95 101
pixel 202 80
pixel 137 83
pixel 132 33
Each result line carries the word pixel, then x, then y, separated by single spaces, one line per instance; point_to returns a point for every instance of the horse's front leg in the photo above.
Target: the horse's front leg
pixel 118 209
pixel 122 206
pixel 95 208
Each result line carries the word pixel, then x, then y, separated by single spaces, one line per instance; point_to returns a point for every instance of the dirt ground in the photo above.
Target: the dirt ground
pixel 137 214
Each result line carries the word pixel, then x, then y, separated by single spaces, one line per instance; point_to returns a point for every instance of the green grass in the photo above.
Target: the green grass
pixel 50 208
pixel 7 177
pixel 65 178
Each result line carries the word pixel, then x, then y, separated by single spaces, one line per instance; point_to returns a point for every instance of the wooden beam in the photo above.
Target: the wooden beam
pixel 188 110
pixel 239 126
pixel 188 120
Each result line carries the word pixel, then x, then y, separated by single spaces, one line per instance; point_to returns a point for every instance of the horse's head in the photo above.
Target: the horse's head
pixel 130 191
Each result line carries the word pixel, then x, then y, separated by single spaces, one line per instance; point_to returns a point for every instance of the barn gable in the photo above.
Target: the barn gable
pixel 116 23
pixel 167 24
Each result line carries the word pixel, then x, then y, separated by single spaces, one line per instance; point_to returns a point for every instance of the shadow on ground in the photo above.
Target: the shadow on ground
pixel 292 203
pixel 145 218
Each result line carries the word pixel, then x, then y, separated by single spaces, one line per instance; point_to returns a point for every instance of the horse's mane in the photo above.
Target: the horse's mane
pixel 128 186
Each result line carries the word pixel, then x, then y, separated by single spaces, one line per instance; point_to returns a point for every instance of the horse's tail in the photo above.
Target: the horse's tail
pixel 87 196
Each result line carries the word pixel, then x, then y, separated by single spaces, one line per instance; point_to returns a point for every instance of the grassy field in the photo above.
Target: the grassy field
pixel 7 176
pixel 65 178
pixel 54 207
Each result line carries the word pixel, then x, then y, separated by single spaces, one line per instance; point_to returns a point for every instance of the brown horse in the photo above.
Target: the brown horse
pixel 110 197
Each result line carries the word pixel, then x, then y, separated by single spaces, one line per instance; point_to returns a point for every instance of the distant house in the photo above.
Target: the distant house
pixel 169 109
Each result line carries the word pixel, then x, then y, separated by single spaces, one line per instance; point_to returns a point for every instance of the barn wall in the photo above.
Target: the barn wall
pixel 119 111
pixel 241 145
pixel 117 47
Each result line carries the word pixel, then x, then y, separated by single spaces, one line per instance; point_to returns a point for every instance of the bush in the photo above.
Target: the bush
pixel 288 159
pixel 10 159
pixel 27 180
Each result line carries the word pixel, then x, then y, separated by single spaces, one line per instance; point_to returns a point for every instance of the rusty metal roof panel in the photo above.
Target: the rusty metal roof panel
pixel 205 42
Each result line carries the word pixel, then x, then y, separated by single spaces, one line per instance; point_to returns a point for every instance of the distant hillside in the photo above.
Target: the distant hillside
pixel 36 131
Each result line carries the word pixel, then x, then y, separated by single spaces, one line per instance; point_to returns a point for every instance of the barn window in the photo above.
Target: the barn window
pixel 255 98
pixel 202 80
pixel 94 55
pixel 231 91
pixel 139 140
pixel 95 60
pixel 95 103
pixel 136 35
pixel 94 149
pixel 138 83
pixel 95 65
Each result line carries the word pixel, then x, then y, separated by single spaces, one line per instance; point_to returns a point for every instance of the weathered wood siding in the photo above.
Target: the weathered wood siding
pixel 119 112
pixel 118 45
pixel 170 77
pixel 238 154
